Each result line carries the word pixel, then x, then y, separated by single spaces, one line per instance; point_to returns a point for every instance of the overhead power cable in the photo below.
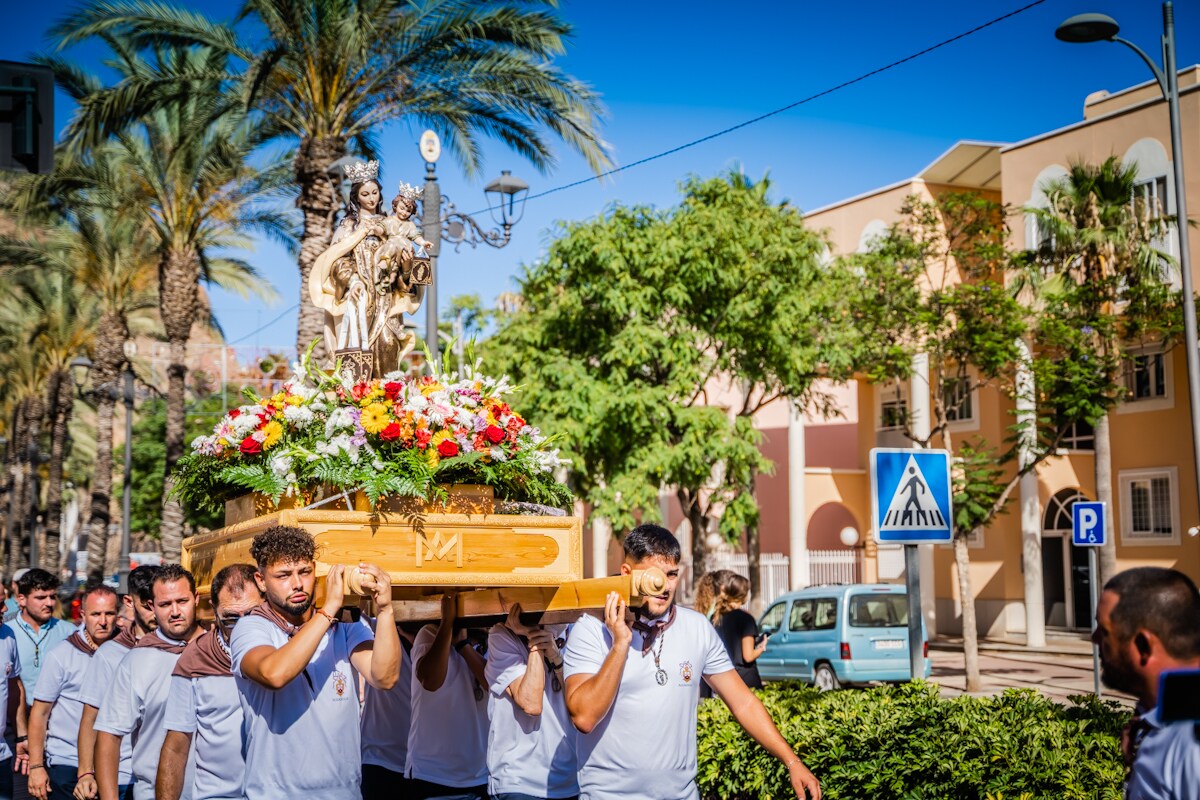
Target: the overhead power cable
pixel 263 327
pixel 782 109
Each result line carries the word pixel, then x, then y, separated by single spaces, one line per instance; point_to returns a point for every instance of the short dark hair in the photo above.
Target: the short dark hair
pixel 235 578
pixel 1164 602
pixel 169 573
pixel 286 543
pixel 37 580
pixel 649 540
pixel 141 582
pixel 98 589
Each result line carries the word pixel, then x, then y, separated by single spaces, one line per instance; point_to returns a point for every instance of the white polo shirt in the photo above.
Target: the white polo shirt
pixel 301 740
pixel 210 708
pixel 135 707
pixel 96 681
pixel 447 744
pixel 386 718
pixel 1167 766
pixel 10 660
pixel 645 747
pixel 526 755
pixel 59 684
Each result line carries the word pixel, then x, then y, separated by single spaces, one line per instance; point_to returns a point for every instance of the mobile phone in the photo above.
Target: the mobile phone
pixel 758 640
pixel 1179 696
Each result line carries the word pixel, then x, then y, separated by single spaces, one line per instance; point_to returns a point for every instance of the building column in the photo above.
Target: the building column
pixel 798 571
pixel 1031 511
pixel 919 424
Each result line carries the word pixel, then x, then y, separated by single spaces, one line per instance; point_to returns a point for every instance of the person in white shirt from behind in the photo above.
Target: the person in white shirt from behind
pixel 632 690
pixel 1148 623
pixel 136 703
pixel 531 741
pixel 54 719
pixel 204 703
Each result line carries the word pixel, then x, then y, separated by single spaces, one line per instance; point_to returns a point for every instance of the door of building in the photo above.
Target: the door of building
pixel 1066 580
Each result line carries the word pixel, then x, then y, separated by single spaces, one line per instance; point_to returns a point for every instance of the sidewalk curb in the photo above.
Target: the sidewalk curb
pixel 956 646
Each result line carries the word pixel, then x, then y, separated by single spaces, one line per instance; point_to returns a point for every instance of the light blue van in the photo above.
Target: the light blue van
pixel 832 636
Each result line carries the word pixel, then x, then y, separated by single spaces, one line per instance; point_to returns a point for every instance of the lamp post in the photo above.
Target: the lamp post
pixel 79 371
pixel 1086 28
pixel 506 201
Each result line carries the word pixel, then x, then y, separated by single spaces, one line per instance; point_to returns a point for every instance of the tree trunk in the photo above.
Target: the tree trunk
pixel 16 492
pixel 27 437
pixel 1104 493
pixel 696 522
pixel 318 203
pixel 178 293
pixel 61 402
pixel 754 553
pixel 962 560
pixel 109 355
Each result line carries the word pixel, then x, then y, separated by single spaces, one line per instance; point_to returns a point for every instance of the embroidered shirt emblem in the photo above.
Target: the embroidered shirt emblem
pixel 685 671
pixel 339 683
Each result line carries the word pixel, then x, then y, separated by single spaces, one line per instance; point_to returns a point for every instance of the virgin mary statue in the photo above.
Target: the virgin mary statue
pixel 364 298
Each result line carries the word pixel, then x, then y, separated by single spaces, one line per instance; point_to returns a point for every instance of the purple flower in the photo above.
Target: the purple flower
pixel 481 423
pixel 1087 330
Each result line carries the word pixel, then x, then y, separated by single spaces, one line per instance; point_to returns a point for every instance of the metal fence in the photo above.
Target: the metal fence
pixel 773 569
pixel 834 566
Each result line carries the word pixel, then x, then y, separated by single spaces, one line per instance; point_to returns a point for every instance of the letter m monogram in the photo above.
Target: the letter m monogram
pixel 439 547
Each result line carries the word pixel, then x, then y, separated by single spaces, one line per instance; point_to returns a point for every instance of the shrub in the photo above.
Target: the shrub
pixel 905 742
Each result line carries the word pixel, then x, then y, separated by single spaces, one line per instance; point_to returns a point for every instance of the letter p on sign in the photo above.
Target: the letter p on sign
pixel 1089 528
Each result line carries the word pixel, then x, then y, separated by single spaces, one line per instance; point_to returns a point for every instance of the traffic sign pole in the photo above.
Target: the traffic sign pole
pixel 912 580
pixel 1095 592
pixel 1089 528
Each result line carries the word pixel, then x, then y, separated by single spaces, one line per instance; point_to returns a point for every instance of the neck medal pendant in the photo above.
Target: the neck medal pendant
pixel 661 676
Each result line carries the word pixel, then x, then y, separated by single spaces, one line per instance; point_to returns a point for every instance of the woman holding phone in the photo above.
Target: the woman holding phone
pixel 721 598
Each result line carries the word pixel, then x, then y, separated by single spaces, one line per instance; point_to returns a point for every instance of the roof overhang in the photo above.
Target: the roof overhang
pixel 967 165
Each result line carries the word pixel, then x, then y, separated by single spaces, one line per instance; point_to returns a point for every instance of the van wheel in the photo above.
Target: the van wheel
pixel 825 679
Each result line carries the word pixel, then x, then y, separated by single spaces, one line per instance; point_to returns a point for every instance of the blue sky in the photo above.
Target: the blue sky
pixel 671 72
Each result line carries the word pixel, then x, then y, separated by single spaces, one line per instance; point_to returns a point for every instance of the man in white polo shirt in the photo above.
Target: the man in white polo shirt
pixel 54 719
pixel 293 665
pixel 136 703
pixel 385 726
pixel 140 603
pixel 12 701
pixel 531 741
pixel 1147 624
pixel 204 702
pixel 632 690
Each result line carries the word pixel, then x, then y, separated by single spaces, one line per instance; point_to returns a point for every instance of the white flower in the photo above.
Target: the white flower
pixel 281 466
pixel 498 454
pixel 299 416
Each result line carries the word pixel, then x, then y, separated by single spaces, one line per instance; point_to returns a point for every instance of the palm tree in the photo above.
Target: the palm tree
pixel 187 163
pixel 329 73
pixel 1100 234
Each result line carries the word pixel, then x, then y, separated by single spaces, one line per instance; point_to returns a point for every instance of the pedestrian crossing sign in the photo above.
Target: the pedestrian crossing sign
pixel 910 496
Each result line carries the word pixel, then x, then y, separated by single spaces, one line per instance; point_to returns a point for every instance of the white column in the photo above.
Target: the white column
pixel 601 536
pixel 919 423
pixel 797 510
pixel 1031 510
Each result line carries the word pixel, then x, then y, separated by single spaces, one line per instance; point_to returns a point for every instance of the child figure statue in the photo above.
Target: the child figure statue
pixel 403 258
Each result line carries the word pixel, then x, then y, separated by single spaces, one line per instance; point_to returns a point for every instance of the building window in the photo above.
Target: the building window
pixel 893 407
pixel 1153 193
pixel 1079 436
pixel 1149 512
pixel 956 399
pixel 1145 376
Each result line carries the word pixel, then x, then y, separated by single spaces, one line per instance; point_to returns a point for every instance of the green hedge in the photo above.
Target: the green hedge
pixel 906 742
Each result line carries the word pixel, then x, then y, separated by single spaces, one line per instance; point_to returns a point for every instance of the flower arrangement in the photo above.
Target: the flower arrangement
pixel 399 436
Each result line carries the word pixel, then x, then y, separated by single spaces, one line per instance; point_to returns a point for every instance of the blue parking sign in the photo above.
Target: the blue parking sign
pixel 910 496
pixel 1088 528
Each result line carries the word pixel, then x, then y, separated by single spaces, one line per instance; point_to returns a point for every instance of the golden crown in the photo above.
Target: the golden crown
pixel 409 191
pixel 362 172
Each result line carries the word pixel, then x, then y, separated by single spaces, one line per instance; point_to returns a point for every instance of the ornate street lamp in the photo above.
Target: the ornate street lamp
pixel 1087 28
pixel 440 220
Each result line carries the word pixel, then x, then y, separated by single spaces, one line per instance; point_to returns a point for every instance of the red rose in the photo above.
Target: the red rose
pixel 391 432
pixel 448 448
pixel 494 434
pixel 392 389
pixel 237 412
pixel 423 437
pixel 250 446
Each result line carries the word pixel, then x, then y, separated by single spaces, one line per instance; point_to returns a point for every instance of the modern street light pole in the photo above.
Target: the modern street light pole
pixel 1085 28
pixel 505 195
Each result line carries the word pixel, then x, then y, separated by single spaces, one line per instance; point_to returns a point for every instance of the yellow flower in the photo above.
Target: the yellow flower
pixel 375 418
pixel 278 399
pixel 430 388
pixel 274 432
pixel 440 437
pixel 294 399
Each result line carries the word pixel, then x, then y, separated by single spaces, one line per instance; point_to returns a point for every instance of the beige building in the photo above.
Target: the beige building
pixel 820 487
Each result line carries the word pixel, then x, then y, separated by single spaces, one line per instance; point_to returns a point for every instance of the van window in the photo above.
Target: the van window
pixel 878 610
pixel 773 619
pixel 825 614
pixel 801 618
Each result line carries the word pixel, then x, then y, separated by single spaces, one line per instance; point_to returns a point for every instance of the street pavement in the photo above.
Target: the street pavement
pixel 1057 675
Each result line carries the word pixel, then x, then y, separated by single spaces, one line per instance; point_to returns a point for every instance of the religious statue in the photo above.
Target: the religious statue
pixel 373 273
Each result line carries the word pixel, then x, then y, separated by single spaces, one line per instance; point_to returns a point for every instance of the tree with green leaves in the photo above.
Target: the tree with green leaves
pixel 328 74
pixel 1101 248
pixel 635 321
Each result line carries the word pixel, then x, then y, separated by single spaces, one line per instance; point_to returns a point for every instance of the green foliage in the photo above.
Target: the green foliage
pixel 906 742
